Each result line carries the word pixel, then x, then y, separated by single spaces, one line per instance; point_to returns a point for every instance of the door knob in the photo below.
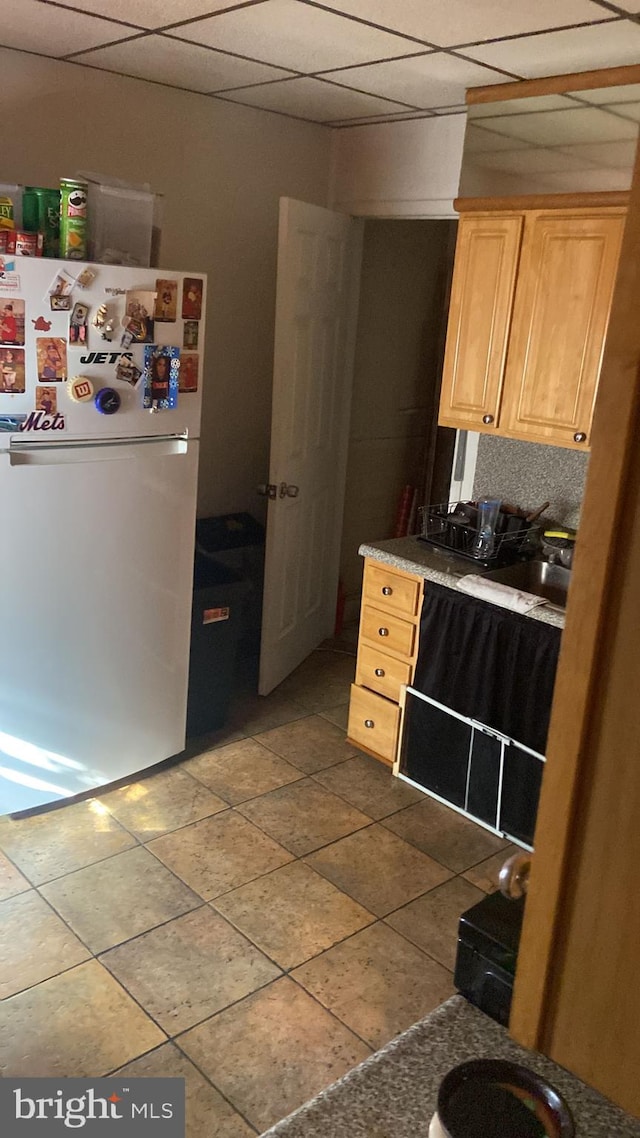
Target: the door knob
pixel 288 491
pixel 579 437
pixel 514 875
pixel 487 419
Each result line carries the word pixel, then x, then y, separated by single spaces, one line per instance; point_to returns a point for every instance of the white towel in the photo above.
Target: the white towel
pixel 497 594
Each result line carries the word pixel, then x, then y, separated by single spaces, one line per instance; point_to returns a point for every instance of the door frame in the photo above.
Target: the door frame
pixel 589 788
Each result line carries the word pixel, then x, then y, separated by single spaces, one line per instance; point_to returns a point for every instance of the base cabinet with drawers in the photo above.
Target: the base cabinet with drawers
pixel 387 651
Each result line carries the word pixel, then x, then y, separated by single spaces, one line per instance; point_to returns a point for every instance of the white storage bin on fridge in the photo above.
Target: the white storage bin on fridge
pixel 120 224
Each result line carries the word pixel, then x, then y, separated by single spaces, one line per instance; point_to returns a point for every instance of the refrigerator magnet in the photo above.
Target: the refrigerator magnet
pixel 60 291
pixel 12 321
pixel 46 400
pixel 138 316
pixel 161 372
pixel 80 389
pixel 41 324
pixel 191 298
pixel 12 371
pixel 166 305
pixel 86 277
pixel 127 371
pixel 189 366
pixel 51 354
pixel 78 324
pixel 190 335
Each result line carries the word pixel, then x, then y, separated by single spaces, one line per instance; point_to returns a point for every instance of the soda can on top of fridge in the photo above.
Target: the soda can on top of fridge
pixel 41 214
pixel 73 219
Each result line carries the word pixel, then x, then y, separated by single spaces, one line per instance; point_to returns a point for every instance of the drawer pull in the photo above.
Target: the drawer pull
pixel 579 437
pixel 379 672
pixel 383 632
pixel 369 723
pixel 386 590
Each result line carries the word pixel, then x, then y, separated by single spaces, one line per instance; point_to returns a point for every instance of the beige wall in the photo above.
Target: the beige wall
pixel 222 169
pixel 398 169
pixel 399 322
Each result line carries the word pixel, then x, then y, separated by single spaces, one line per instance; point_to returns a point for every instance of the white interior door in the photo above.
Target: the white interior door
pixel 319 254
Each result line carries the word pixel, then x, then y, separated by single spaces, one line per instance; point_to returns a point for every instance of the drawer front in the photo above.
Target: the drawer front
pixel 373 721
pixel 390 633
pixel 390 591
pixel 382 673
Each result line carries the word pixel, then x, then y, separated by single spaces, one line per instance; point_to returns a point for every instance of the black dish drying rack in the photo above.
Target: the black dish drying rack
pixel 454 526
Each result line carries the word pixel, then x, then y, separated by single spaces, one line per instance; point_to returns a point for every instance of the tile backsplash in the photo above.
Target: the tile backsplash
pixel 527 474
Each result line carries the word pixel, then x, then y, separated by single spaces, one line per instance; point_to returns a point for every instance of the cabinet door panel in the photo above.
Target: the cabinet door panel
pixel 480 310
pixel 561 311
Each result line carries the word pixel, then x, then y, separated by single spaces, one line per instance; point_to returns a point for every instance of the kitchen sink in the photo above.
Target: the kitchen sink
pixel 538 577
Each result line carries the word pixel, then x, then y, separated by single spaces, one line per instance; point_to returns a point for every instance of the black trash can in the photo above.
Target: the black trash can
pixel 237 541
pixel 217 621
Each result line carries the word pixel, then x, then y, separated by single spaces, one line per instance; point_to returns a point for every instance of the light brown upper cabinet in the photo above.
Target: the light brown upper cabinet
pixel 530 305
pixel 482 292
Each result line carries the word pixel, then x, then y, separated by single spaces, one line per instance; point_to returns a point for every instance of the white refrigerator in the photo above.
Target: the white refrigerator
pixel 98 471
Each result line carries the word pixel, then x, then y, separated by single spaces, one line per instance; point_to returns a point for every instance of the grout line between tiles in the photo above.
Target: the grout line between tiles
pixel 214 1085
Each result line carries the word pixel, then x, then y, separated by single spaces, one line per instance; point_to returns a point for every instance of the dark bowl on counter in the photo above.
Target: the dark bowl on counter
pixel 493 1098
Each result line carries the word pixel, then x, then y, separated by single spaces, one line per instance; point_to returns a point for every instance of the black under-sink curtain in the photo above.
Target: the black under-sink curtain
pixel 488 663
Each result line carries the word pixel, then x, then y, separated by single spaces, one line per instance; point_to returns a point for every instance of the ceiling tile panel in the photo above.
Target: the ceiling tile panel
pixel 180 64
pixel 448 22
pixel 557 128
pixel 627 94
pixel 606 155
pixel 627 110
pixel 289 34
pixel 32 26
pixel 369 120
pixel 432 80
pixel 149 13
pixel 553 53
pixel 313 99
pixel 530 161
pixel 477 140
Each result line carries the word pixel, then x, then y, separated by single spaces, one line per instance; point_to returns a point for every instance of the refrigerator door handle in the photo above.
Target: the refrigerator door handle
pixel 98 451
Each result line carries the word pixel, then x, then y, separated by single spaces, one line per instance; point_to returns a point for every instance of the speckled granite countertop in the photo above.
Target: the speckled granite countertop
pixel 438 565
pixel 393 1093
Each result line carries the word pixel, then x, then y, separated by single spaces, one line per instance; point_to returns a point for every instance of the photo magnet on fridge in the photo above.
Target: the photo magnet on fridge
pixel 191 298
pixel 138 315
pixel 46 400
pixel 78 324
pixel 161 377
pixel 190 335
pixel 189 364
pixel 12 371
pixel 166 306
pixel 60 291
pixel 12 321
pixel 51 354
pixel 127 371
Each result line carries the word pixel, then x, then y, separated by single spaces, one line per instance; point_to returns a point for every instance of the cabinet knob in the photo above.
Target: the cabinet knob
pixel 379 672
pixel 579 437
pixel 487 419
pixel 386 590
pixel 369 723
pixel 383 632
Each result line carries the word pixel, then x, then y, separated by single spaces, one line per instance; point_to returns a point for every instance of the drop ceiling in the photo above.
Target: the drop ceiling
pixel 337 62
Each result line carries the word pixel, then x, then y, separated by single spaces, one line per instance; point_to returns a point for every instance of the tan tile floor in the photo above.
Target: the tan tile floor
pixel 258 918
